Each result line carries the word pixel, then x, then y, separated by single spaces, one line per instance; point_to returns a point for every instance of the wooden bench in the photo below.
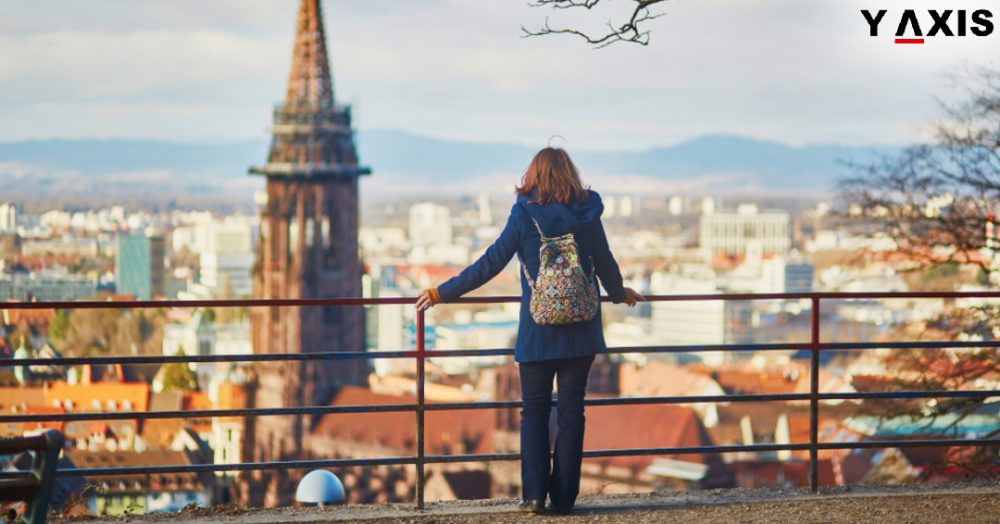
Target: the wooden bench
pixel 35 487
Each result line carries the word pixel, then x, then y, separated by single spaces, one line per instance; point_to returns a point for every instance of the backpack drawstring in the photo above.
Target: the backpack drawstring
pixel 524 267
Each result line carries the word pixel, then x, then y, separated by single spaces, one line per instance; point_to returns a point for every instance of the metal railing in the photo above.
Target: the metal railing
pixel 420 459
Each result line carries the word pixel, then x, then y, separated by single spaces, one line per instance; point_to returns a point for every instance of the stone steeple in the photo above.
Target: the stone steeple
pixel 311 134
pixel 309 82
pixel 308 248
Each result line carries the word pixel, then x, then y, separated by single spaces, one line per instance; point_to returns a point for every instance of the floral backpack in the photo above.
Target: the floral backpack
pixel 562 293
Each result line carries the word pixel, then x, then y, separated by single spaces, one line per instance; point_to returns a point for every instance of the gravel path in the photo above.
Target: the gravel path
pixel 966 504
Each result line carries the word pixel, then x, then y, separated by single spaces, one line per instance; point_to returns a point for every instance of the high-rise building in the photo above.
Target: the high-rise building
pixel 139 267
pixel 8 218
pixel 748 227
pixel 227 260
pixel 430 224
pixel 699 322
pixel 485 211
pixel 51 285
pixel 678 205
pixel 308 248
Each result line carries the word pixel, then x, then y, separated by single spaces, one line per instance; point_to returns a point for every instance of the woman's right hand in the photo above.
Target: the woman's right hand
pixel 632 296
pixel 427 299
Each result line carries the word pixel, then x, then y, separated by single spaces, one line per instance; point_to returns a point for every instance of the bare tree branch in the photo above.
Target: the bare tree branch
pixel 940 203
pixel 632 30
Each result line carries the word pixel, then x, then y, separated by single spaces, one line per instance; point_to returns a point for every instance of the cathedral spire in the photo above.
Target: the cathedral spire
pixel 312 136
pixel 309 82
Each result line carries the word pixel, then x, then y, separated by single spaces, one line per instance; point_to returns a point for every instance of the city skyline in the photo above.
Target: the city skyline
pixel 188 72
pixel 759 331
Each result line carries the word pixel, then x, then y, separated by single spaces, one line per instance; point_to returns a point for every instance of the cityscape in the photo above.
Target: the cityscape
pixel 310 232
pixel 707 247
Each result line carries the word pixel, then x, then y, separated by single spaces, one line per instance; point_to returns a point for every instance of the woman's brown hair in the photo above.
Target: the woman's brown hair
pixel 555 178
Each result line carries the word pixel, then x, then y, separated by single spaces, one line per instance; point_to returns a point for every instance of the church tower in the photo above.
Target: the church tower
pixel 307 248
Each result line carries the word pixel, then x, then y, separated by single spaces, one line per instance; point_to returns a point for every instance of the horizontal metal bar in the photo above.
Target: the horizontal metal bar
pixel 913 443
pixel 210 468
pixel 488 457
pixel 688 348
pixel 702 348
pixel 624 401
pixel 755 448
pixel 985 393
pixel 206 413
pixel 365 408
pixel 469 406
pixel 339 301
pixel 452 353
pixel 355 355
pixel 697 399
pixel 447 353
pixel 185 359
pixel 826 295
pixel 247 302
pixel 625 452
pixel 481 457
pixel 943 344
pixel 250 357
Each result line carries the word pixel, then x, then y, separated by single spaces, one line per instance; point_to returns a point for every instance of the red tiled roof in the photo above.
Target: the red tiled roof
pixel 447 432
pixel 231 396
pixel 644 426
pixel 15 429
pixel 768 473
pixel 197 400
pixel 83 395
pixel 663 379
pixel 14 396
pixel 34 317
pixel 740 381
pixel 120 297
pixel 83 458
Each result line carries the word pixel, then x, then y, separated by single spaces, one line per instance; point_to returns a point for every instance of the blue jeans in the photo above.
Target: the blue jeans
pixel 541 476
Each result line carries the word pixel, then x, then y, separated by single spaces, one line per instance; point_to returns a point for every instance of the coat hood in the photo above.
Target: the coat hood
pixel 557 219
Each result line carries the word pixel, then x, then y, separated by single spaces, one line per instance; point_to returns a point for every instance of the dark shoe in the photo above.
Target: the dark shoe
pixel 557 511
pixel 531 506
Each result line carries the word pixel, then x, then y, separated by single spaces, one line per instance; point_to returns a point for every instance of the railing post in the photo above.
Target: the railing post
pixel 814 399
pixel 420 409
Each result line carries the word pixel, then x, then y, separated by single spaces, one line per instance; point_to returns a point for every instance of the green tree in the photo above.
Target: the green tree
pixel 59 325
pixel 178 376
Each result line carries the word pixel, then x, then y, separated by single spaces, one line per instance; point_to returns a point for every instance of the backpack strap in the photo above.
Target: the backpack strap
pixel 524 268
pixel 539 228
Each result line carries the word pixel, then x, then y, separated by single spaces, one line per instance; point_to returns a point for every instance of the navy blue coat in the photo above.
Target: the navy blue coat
pixel 519 237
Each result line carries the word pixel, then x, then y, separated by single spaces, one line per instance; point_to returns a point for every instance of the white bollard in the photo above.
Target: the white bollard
pixel 320 487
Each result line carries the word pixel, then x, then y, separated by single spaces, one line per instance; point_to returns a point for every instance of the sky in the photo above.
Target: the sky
pixel 794 71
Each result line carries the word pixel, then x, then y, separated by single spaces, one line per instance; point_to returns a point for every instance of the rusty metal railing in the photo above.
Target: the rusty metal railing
pixel 420 459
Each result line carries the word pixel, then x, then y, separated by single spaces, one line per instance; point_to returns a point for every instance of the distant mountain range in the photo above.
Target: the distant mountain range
pixel 163 172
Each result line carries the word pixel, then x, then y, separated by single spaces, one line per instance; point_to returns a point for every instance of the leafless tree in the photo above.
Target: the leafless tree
pixel 939 201
pixel 633 28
